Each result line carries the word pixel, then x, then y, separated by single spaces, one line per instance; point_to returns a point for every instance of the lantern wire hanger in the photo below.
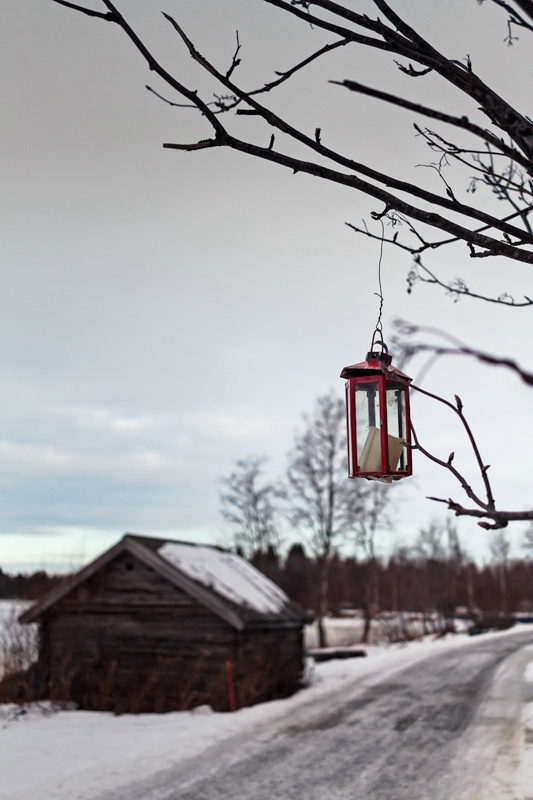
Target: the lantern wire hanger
pixel 377 336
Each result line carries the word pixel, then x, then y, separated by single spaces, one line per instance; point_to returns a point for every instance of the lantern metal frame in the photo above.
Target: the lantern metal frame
pixel 386 453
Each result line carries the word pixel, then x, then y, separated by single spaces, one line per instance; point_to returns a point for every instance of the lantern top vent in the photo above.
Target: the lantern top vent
pixel 377 363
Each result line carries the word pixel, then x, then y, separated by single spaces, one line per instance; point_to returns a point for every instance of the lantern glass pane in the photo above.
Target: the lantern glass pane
pixel 368 422
pixel 396 423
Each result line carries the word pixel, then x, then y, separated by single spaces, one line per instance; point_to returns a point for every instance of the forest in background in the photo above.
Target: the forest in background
pixel 405 582
pixel 409 580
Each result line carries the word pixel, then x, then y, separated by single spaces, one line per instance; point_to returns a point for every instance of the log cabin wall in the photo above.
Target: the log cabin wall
pixel 128 640
pixel 270 664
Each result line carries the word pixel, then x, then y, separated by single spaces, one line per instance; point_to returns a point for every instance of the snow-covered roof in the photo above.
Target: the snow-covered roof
pixel 223 582
pixel 228 575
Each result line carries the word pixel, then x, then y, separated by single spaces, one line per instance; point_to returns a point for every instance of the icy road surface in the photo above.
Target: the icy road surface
pixel 446 727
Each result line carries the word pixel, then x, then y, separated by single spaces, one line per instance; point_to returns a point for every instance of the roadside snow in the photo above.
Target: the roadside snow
pixel 77 755
pixel 529 672
pixel 523 788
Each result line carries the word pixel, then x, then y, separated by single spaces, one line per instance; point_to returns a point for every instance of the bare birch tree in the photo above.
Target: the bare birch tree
pixel 248 504
pixel 322 502
pixel 375 517
pixel 500 548
pixel 527 543
pixel 442 562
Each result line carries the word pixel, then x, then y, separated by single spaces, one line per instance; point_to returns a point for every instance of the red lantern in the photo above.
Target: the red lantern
pixel 378 419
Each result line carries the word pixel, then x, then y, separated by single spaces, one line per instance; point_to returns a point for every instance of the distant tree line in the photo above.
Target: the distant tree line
pixel 26 587
pixel 408 581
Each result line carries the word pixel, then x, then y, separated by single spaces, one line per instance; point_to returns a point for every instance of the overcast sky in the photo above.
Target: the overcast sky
pixel 165 313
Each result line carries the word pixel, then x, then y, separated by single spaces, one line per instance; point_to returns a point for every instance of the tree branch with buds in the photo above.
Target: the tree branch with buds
pixel 483 508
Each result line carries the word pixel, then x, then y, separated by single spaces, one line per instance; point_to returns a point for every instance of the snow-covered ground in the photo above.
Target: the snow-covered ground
pixel 76 755
pixel 17 642
pixel 387 627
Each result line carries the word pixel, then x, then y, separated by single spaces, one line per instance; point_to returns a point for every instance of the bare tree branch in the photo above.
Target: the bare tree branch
pixel 487 504
pixel 90 13
pixel 500 519
pixel 458 348
pixel 485 509
pixel 458 288
pixel 449 119
pixel 203 144
pixel 497 237
pixel 514 17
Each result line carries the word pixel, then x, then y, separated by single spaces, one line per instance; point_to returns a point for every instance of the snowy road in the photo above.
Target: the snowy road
pixel 446 727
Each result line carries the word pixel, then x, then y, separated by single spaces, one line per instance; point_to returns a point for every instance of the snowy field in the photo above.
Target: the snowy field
pixel 76 755
pixel 387 627
pixel 17 642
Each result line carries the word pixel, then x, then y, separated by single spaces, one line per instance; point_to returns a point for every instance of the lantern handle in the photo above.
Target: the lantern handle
pixel 384 348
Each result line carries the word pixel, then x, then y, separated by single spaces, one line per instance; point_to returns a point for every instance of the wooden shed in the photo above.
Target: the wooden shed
pixel 155 625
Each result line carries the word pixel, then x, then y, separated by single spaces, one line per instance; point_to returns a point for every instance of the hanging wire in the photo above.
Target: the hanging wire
pixel 377 336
